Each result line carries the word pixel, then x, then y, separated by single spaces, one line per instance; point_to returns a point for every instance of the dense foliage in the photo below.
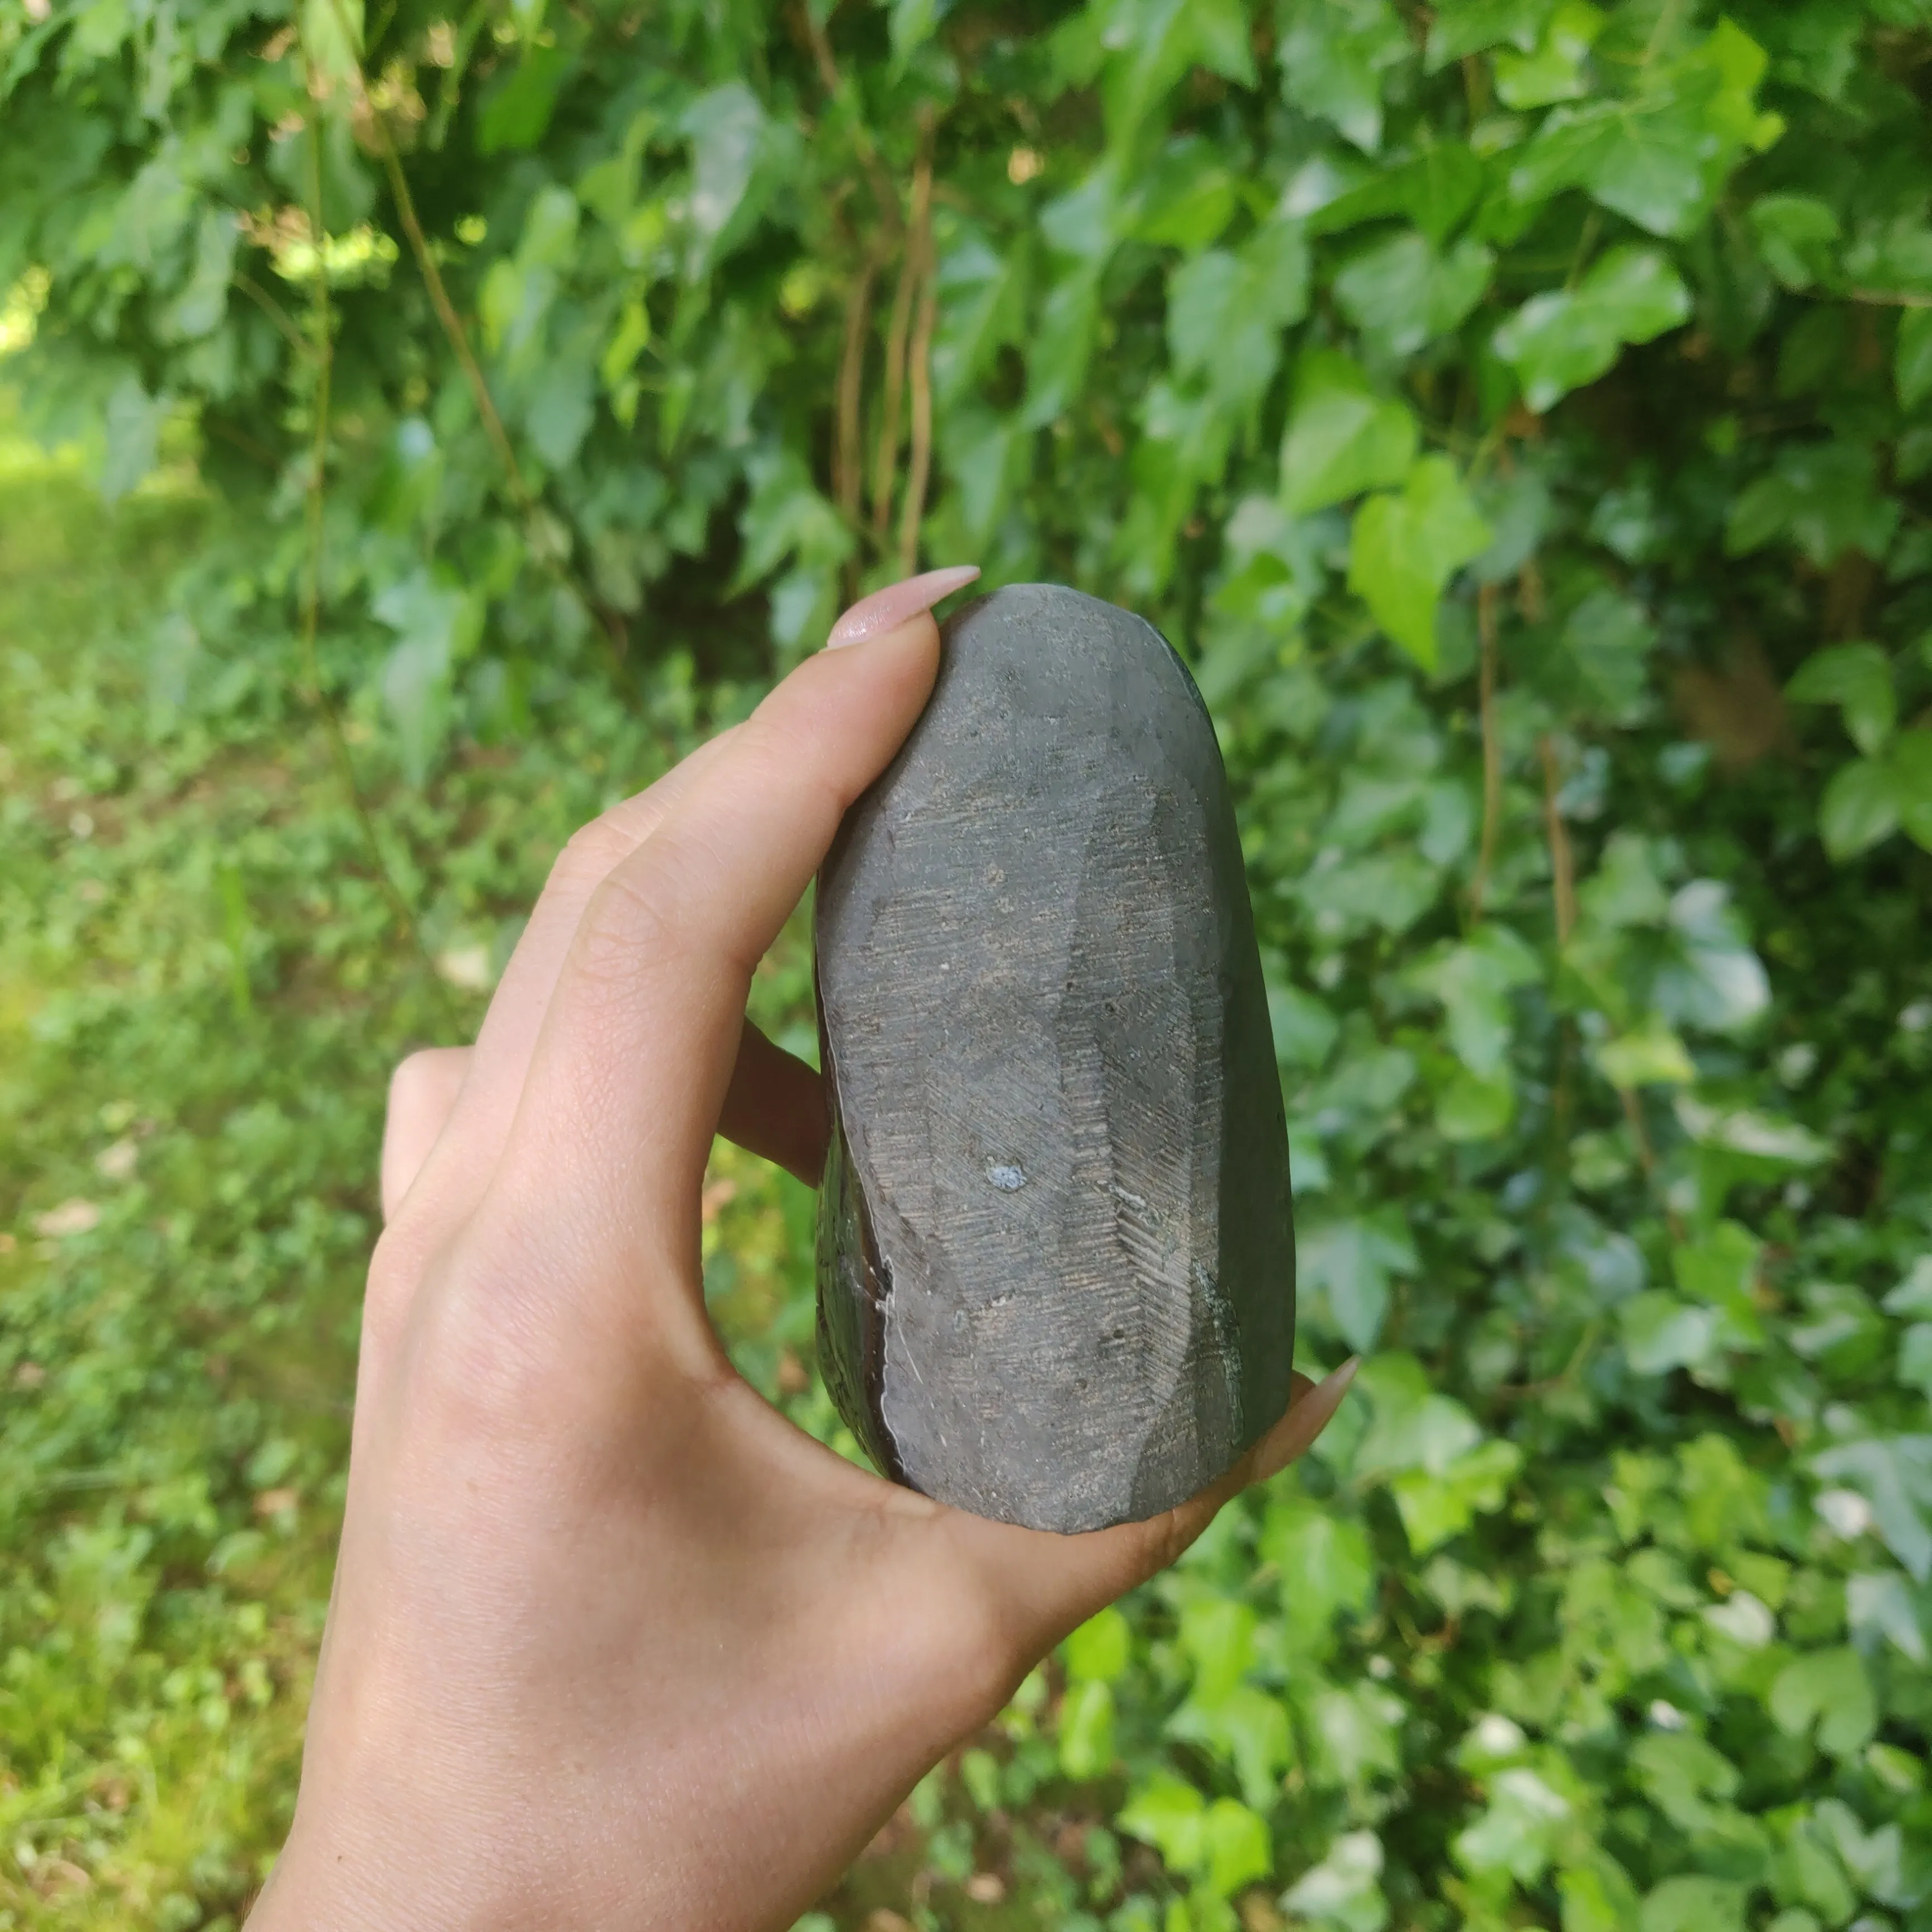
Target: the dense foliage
pixel 1518 410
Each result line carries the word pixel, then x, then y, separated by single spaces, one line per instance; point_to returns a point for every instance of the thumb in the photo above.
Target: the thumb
pixel 1048 1584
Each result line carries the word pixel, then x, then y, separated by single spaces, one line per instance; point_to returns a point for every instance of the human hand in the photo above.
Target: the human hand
pixel 612 1642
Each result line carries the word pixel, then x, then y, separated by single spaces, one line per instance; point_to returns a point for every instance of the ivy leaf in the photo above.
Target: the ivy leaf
pixel 1435 187
pixel 1433 1508
pixel 1405 548
pixel 1333 54
pixel 1552 71
pixel 1693 1903
pixel 1185 199
pixel 1342 438
pixel 1226 310
pixel 516 111
pixel 1859 809
pixel 1825 496
pixel 1086 1730
pixel 1649 1055
pixel 1894 1473
pixel 1061 346
pixel 1911 362
pixel 133 420
pixel 1473 982
pixel 1794 232
pixel 1857 678
pixel 1098 1652
pixel 726 129
pixel 1400 293
pixel 203 300
pixel 1463 27
pixel 1345 1889
pixel 1657 157
pixel 1828 1690
pixel 1350 1262
pixel 1559 341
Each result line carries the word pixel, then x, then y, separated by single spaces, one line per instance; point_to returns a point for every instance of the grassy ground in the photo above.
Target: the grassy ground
pixel 202 990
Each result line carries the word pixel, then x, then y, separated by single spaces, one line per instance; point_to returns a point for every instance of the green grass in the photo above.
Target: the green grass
pixel 202 989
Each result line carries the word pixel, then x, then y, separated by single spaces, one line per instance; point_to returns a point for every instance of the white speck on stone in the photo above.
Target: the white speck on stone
pixel 1008 1179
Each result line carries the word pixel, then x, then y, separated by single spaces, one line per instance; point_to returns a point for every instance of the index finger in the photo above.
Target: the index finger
pixel 636 1052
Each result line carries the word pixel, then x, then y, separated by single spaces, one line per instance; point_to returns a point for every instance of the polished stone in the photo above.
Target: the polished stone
pixel 1056 1263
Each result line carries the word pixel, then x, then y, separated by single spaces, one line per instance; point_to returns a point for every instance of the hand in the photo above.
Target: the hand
pixel 612 1642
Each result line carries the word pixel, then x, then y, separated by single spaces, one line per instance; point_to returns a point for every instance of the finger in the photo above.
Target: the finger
pixel 422 1090
pixel 775 1106
pixel 1052 1583
pixel 630 1072
pixel 480 1120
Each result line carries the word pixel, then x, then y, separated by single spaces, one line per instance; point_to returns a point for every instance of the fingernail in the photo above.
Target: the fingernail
pixel 898 604
pixel 1313 1413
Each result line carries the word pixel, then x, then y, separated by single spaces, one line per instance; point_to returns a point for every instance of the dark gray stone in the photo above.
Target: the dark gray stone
pixel 1056 1260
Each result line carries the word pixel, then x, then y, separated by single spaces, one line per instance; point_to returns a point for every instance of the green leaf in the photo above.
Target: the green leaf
pixel 1859 809
pixel 1661 1333
pixel 1895 1473
pixel 1238 1851
pixel 1516 1834
pixel 1911 362
pixel 726 128
pixel 1434 1508
pixel 1474 981
pixel 133 427
pixel 1345 1889
pixel 1185 200
pixel 1559 341
pixel 516 110
pixel 332 39
pixel 1350 1263
pixel 1405 548
pixel 1098 1651
pixel 1857 678
pixel 1795 232
pixel 1400 294
pixel 1650 1054
pixel 1061 345
pixel 1332 55
pixel 203 299
pixel 1694 1904
pixel 1226 311
pixel 1828 1690
pixel 1171 1816
pixel 1342 437
pixel 1825 496
pixel 1087 1731
pixel 1658 156
pixel 1463 27
pixel 1553 70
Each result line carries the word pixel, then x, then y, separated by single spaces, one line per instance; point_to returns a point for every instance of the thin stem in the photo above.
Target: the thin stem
pixel 1890 298
pixel 834 84
pixel 275 311
pixel 848 480
pixel 1492 749
pixel 885 462
pixel 1562 860
pixel 919 469
pixel 438 296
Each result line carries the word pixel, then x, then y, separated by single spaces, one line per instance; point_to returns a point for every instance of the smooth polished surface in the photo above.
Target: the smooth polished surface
pixel 1056 1255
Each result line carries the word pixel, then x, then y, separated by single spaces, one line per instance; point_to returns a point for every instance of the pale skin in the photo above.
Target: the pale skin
pixel 612 1643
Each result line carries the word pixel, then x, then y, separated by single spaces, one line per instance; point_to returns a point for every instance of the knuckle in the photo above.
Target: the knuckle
pixel 591 851
pixel 630 926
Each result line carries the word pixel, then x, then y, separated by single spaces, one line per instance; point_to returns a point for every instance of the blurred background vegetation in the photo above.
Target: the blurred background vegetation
pixel 423 425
